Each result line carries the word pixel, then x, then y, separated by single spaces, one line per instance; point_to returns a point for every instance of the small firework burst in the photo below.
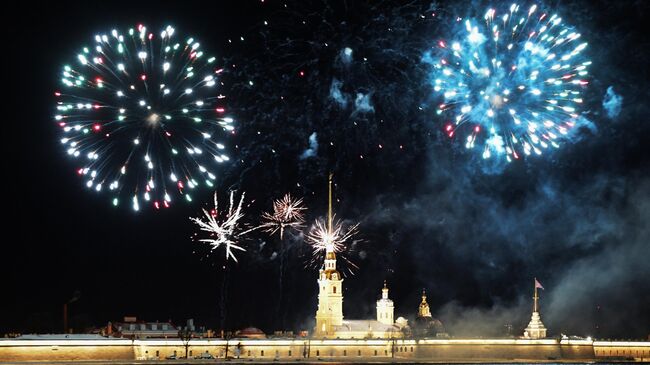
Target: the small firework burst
pixel 225 228
pixel 287 213
pixel 335 238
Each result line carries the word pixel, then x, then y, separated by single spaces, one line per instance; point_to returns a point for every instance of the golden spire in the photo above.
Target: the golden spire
pixel 329 248
pixel 329 210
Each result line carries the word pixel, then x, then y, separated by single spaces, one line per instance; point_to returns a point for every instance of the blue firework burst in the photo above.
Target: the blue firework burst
pixel 511 82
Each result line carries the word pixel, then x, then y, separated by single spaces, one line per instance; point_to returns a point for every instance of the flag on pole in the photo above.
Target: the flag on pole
pixel 538 285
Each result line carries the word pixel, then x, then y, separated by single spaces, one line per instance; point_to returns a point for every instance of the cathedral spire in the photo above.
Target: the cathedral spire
pixel 329 209
pixel 330 256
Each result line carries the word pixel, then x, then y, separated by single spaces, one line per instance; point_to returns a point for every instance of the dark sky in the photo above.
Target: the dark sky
pixel 432 214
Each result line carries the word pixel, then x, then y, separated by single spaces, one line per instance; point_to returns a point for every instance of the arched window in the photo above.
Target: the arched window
pixel 334 290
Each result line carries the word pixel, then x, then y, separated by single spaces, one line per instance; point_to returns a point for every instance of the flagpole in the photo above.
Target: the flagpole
pixel 535 297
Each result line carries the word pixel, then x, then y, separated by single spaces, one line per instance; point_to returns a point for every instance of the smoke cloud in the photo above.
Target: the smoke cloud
pixel 612 103
pixel 313 147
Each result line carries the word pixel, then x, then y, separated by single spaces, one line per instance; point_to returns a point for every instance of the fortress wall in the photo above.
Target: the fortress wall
pixel 501 352
pixel 640 351
pixel 66 353
pixel 495 349
pixel 293 349
pixel 268 349
pixel 577 351
pixel 351 348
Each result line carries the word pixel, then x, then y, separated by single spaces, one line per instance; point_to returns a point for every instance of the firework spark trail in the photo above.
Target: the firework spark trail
pixel 321 239
pixel 511 83
pixel 287 213
pixel 224 227
pixel 141 115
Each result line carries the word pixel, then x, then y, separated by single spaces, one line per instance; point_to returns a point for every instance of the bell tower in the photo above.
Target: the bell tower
pixel 330 286
pixel 385 307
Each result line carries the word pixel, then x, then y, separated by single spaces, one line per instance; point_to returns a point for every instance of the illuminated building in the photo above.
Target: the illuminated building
pixel 425 325
pixel 329 316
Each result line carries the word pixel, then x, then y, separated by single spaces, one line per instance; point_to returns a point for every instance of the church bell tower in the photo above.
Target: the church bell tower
pixel 330 287
pixel 385 307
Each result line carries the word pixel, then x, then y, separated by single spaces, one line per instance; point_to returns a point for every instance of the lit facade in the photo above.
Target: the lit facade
pixel 385 307
pixel 45 348
pixel 329 315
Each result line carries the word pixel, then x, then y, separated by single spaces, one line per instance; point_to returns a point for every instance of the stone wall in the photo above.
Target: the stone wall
pixel 66 353
pixel 339 350
pixel 639 351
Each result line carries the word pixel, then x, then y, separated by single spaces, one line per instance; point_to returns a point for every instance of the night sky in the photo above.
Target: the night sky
pixel 432 214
